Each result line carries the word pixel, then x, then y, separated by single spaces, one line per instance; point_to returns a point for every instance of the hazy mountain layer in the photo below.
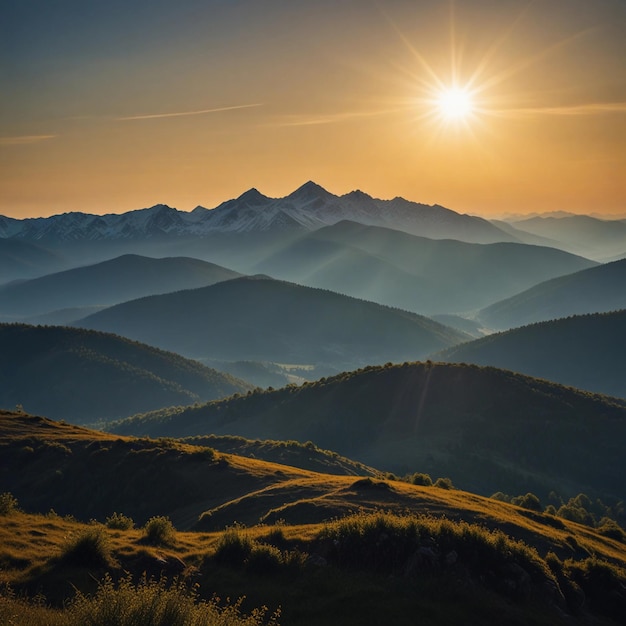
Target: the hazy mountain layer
pixel 487 429
pixel 124 278
pixel 422 275
pixel 588 236
pixel 596 290
pixel 267 320
pixel 583 351
pixel 23 259
pixel 84 376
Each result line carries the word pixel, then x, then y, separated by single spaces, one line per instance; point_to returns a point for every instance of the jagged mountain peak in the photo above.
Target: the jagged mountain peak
pixel 309 207
pixel 357 194
pixel 253 196
pixel 310 190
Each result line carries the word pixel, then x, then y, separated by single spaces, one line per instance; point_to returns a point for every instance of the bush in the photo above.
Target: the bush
pixel 159 530
pixel 530 501
pixel 610 528
pixel 8 503
pixel 602 583
pixel 88 548
pixel 119 521
pixel 421 479
pixel 444 483
pixel 233 547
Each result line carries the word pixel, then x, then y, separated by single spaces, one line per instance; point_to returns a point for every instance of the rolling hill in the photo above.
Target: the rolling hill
pixel 260 319
pixel 487 429
pixel 124 278
pixel 585 351
pixel 433 551
pixel 84 376
pixel 415 273
pixel 595 290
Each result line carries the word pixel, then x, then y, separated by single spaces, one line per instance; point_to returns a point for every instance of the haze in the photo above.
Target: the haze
pixel 113 106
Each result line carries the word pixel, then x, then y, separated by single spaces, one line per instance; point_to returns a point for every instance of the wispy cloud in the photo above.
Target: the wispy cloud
pixel 22 140
pixel 332 118
pixel 153 116
pixel 595 108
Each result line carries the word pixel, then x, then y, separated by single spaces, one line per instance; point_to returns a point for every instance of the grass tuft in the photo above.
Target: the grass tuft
pixel 88 548
pixel 159 531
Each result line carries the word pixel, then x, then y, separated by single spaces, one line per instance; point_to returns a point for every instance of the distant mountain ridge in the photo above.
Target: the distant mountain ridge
pixel 599 239
pixel 261 319
pixel 124 278
pixel 599 289
pixel 415 273
pixel 309 207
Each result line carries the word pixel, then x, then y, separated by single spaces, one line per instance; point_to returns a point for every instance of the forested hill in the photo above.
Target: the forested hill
pixel 585 351
pixel 261 319
pixel 83 376
pixel 486 428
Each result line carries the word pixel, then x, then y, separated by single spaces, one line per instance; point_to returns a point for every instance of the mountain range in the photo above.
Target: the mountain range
pixel 592 237
pixel 487 429
pixel 84 376
pixel 261 319
pixel 585 351
pixel 423 275
pixel 309 207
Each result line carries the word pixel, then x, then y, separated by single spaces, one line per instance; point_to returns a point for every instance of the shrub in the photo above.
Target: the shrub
pixel 119 521
pixel 610 528
pixel 602 583
pixel 501 497
pixel 159 530
pixel 234 546
pixel 8 503
pixel 444 483
pixel 530 501
pixel 264 559
pixel 88 548
pixel 421 479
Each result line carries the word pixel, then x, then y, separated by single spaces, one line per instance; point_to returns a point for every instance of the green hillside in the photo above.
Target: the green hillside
pixel 260 319
pixel 596 290
pixel 84 376
pixel 585 351
pixel 487 429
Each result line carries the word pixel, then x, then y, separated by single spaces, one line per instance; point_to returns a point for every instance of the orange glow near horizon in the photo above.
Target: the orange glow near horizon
pixel 485 110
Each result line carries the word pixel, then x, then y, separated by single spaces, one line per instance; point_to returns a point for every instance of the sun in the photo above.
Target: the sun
pixel 454 104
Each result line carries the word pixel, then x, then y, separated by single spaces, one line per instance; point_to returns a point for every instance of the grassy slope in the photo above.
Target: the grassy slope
pixel 31 545
pixel 84 376
pixel 487 429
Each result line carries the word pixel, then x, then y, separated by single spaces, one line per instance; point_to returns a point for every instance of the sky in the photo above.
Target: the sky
pixel 112 106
